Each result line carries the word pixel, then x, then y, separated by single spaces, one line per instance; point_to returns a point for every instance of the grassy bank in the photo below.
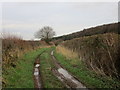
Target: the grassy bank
pixel 49 80
pixel 87 77
pixel 99 52
pixel 22 75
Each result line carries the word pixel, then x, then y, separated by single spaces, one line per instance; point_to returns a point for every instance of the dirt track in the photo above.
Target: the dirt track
pixel 36 73
pixel 63 75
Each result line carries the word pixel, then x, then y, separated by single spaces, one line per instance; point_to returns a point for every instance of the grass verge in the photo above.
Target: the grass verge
pixel 87 77
pixel 49 80
pixel 22 75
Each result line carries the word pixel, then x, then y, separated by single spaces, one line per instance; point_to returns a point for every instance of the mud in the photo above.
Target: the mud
pixel 36 74
pixel 64 76
pixel 37 77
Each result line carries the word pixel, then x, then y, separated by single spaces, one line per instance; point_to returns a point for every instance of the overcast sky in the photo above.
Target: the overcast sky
pixel 64 17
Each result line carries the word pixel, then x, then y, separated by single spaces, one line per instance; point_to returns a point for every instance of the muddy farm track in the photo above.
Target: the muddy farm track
pixel 36 73
pixel 62 74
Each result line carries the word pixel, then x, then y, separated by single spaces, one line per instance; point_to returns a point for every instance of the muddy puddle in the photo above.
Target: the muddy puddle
pixel 36 74
pixel 71 78
pixel 65 76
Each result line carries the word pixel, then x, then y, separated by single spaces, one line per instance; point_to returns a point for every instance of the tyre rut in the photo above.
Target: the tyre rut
pixel 36 73
pixel 64 76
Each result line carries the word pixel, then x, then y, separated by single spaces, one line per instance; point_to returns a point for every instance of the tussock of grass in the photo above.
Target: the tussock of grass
pixel 66 52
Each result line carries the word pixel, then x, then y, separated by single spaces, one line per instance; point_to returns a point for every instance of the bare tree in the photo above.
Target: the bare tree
pixel 45 33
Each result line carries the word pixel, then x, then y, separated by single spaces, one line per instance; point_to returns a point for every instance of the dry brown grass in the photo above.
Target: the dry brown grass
pixel 69 55
pixel 66 52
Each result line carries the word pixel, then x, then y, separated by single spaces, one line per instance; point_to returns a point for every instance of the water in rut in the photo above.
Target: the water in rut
pixel 37 76
pixel 65 77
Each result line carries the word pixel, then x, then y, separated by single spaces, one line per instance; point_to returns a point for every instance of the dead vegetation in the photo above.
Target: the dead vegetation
pixel 13 47
pixel 99 52
pixel 66 52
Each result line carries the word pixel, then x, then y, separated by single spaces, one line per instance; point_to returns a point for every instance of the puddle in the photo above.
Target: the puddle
pixel 71 78
pixel 52 53
pixel 37 76
pixel 37 81
pixel 65 73
pixel 56 73
pixel 37 65
pixel 36 71
pixel 65 77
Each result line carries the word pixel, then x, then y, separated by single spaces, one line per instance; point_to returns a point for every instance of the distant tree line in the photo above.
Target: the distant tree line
pixel 108 28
